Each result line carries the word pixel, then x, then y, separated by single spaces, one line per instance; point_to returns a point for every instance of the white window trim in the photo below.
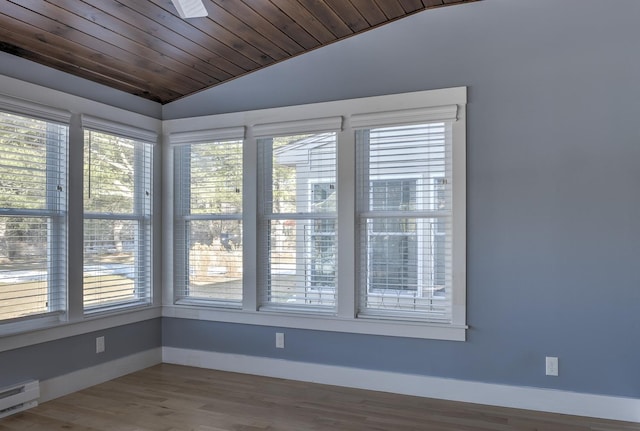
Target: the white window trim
pixel 316 125
pixel 31 109
pixel 114 128
pixel 434 105
pixel 208 135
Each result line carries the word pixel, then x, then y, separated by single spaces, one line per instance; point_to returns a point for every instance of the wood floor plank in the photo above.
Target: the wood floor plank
pixel 176 398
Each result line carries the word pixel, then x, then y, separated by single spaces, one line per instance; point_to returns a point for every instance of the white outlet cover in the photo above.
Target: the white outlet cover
pixel 100 344
pixel 280 340
pixel 551 366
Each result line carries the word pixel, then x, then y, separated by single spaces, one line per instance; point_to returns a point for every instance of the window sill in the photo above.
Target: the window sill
pixel 321 322
pixel 109 310
pixel 35 331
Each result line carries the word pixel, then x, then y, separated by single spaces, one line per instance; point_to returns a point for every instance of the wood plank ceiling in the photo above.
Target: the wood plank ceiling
pixel 142 47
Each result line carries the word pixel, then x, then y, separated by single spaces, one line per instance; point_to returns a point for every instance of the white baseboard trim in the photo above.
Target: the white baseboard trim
pixel 527 398
pixel 81 379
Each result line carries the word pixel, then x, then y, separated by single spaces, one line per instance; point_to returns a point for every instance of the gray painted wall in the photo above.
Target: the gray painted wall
pixel 56 358
pixel 34 73
pixel 553 180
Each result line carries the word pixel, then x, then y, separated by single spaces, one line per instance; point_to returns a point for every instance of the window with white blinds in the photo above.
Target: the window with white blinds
pixel 346 216
pixel 117 217
pixel 297 205
pixel 405 220
pixel 208 222
pixel 33 216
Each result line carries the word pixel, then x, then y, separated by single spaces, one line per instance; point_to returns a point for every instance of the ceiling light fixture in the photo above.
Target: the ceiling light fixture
pixel 190 8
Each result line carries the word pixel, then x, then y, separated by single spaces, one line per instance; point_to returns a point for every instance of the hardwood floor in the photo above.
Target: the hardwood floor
pixel 176 398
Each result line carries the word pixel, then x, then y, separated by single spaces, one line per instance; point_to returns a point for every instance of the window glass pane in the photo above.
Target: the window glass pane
pixel 216 178
pixel 208 264
pixel 109 261
pixel 299 164
pixel 393 258
pixel 33 186
pixel 109 173
pixel 404 163
pixel 24 269
pixel 215 259
pixel 117 225
pixel 302 265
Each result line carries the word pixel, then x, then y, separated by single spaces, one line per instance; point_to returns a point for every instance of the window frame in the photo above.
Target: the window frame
pixel 378 111
pixel 181 218
pixel 266 215
pixel 55 211
pixel 142 212
pixel 430 308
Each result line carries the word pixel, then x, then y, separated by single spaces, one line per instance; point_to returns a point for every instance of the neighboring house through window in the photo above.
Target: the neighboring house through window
pixel 298 213
pixel 404 213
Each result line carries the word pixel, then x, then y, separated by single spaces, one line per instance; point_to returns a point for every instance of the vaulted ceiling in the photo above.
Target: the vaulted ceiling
pixel 144 48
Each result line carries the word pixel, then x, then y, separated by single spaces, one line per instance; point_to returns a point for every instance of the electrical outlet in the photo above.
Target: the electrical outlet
pixel 552 366
pixel 100 344
pixel 280 340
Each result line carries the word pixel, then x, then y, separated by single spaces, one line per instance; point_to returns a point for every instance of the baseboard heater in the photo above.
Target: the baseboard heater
pixel 16 398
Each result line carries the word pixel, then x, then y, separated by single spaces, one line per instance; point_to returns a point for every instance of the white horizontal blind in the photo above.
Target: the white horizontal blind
pixel 208 222
pixel 117 220
pixel 33 215
pixel 405 216
pixel 298 221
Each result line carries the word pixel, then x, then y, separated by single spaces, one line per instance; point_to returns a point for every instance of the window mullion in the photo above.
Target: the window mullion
pixel 346 225
pixel 75 219
pixel 458 228
pixel 251 257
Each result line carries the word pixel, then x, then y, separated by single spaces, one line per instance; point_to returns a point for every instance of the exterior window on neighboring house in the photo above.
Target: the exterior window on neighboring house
pixel 117 216
pixel 405 220
pixel 208 222
pixel 298 221
pixel 33 216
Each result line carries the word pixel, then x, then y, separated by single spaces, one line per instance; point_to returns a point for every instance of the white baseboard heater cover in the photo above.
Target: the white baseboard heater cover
pixel 16 398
